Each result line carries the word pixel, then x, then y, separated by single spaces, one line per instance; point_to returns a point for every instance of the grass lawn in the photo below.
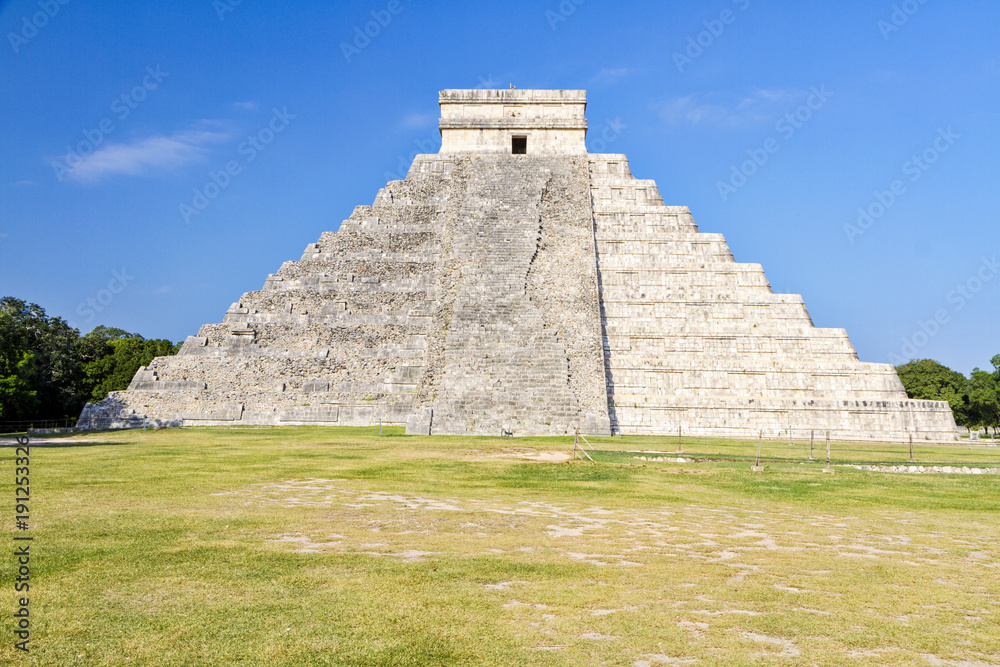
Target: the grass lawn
pixel 302 546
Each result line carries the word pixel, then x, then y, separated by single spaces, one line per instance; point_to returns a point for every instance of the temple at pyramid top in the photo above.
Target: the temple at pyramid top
pixel 531 122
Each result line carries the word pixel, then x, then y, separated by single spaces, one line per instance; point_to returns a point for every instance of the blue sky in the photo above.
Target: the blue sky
pixel 775 122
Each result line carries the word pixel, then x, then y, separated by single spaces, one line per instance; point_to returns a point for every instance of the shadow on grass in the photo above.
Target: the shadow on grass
pixel 48 444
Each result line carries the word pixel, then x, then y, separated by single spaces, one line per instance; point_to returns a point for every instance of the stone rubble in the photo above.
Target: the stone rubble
pixel 919 470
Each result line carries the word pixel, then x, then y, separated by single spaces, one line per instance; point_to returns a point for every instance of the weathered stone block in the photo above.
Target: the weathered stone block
pixel 420 423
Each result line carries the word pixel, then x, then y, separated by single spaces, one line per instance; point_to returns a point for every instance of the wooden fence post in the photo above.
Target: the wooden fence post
pixel 827 468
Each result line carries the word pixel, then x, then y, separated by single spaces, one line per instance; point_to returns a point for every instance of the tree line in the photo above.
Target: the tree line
pixel 48 371
pixel 974 400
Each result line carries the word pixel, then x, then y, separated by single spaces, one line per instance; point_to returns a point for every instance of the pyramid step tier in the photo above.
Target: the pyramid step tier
pixel 859 419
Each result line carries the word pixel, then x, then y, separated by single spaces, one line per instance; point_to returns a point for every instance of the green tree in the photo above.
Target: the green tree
pixel 984 400
pixel 125 354
pixel 17 375
pixel 928 380
pixel 52 344
pixel 48 371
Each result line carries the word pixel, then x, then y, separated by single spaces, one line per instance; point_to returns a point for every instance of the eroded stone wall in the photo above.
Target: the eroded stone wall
pixel 469 291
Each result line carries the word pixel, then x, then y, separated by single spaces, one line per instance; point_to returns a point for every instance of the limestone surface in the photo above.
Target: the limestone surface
pixel 513 282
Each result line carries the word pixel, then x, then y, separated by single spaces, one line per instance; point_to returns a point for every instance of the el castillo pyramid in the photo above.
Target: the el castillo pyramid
pixel 513 281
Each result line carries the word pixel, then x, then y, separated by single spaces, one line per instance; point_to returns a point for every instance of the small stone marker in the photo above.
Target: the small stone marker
pixel 828 469
pixel 757 467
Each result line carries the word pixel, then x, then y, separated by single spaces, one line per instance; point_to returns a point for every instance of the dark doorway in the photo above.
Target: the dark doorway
pixel 519 145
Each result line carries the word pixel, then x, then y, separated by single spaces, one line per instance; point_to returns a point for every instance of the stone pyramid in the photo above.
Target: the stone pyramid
pixel 514 282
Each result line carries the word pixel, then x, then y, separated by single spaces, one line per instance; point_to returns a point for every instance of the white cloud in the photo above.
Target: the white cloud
pixel 727 109
pixel 609 76
pixel 163 290
pixel 246 106
pixel 144 155
pixel 419 120
pixel 489 83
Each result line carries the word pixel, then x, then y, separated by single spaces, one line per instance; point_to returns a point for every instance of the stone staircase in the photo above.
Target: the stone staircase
pixel 507 364
pixel 696 341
